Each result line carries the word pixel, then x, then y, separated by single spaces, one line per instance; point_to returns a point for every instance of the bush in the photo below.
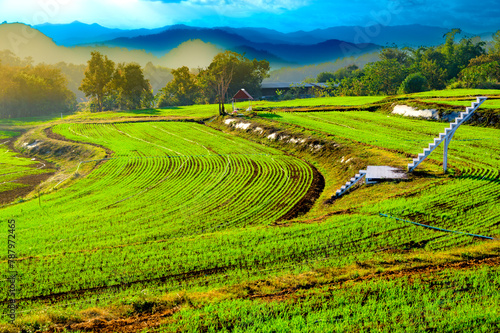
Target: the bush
pixel 414 83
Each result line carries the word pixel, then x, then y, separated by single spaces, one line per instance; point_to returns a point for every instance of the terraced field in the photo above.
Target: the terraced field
pixel 467 200
pixel 164 182
pixel 180 213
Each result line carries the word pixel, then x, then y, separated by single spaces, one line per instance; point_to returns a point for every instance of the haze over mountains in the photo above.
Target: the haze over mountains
pixel 293 56
pixel 178 45
pixel 414 35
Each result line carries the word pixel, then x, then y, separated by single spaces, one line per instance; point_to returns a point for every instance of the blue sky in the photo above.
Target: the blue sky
pixel 282 15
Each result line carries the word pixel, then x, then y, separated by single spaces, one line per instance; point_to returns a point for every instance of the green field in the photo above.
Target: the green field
pixel 458 93
pixel 165 182
pixel 193 222
pixel 489 104
pixel 461 201
pixel 14 167
pixel 177 112
pixel 321 101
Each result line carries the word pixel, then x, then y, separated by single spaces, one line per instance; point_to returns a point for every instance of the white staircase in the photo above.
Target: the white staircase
pixel 446 136
pixel 350 183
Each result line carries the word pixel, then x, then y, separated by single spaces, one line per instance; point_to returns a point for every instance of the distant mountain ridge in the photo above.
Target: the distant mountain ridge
pixel 414 35
pixel 278 54
pixel 280 49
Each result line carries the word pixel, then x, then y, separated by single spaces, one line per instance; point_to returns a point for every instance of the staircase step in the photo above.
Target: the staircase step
pixel 462 117
pixel 342 188
pixel 353 179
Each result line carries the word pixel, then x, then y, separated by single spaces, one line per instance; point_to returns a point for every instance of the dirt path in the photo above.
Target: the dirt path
pixel 32 181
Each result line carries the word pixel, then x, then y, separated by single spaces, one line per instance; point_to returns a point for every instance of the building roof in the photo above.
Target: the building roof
pixel 242 94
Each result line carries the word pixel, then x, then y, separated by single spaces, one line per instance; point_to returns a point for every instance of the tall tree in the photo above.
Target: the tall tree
pixel 218 76
pixel 385 76
pixel 229 72
pixel 435 74
pixel 98 78
pixel 182 90
pixel 401 56
pixel 130 85
pixel 495 48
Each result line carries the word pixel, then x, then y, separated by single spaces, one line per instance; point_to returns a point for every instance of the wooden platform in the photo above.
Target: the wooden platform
pixel 377 173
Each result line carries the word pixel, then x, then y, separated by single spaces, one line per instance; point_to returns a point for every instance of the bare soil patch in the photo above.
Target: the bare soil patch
pixel 32 181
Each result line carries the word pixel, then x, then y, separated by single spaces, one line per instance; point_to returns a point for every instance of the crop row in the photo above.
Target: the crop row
pixel 164 182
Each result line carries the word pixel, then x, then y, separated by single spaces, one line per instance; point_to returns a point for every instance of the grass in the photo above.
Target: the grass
pixel 457 93
pixel 167 184
pixel 185 209
pixel 488 104
pixel 416 304
pixel 330 101
pixel 30 121
pixel 178 112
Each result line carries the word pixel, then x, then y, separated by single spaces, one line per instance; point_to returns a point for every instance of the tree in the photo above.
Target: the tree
pixel 339 75
pixel 413 83
pixel 449 45
pixel 384 76
pixel 130 85
pixel 229 72
pixel 486 75
pixel 182 90
pixel 495 48
pixel 325 77
pixel 458 55
pixel 218 77
pixel 401 56
pixel 33 90
pixel 98 78
pixel 436 75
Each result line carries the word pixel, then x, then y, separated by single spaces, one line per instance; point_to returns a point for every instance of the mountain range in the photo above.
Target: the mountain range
pixel 414 35
pixel 182 45
pixel 300 48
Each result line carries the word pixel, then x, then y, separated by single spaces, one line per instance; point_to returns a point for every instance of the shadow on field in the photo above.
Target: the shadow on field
pixel 270 115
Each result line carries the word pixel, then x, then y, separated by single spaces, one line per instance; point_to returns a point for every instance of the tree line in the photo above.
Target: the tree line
pixel 27 90
pixel 124 86
pixel 34 90
pixel 464 64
